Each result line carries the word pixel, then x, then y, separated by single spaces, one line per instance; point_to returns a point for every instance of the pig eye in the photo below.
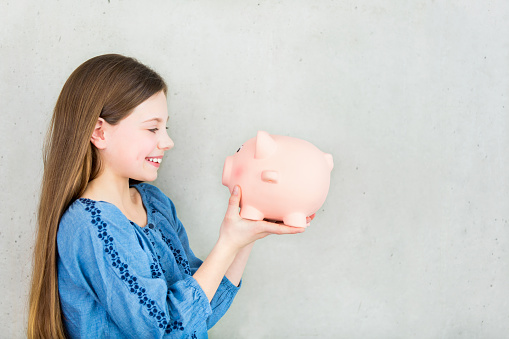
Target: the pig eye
pixel 239 148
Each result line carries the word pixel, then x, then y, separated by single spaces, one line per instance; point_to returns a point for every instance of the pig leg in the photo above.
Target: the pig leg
pixel 249 212
pixel 295 219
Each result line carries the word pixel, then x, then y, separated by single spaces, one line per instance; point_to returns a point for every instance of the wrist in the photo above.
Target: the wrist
pixel 228 248
pixel 228 244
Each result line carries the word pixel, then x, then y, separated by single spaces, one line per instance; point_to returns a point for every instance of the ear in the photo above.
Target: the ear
pixel 98 134
pixel 265 145
pixel 271 177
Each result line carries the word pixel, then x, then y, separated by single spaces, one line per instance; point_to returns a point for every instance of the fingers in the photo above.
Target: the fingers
pixel 233 203
pixel 274 228
pixel 308 219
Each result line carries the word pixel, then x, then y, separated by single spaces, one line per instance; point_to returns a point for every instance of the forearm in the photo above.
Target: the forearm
pixel 236 237
pixel 236 269
pixel 214 268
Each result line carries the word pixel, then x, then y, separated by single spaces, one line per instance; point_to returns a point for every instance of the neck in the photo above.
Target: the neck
pixel 112 189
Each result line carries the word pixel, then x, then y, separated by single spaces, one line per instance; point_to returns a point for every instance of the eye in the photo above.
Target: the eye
pixel 153 130
pixel 239 148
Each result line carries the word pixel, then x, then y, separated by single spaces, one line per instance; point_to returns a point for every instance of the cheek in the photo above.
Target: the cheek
pixel 146 148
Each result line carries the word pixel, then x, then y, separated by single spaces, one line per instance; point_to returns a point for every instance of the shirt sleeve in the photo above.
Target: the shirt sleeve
pixel 226 291
pixel 108 260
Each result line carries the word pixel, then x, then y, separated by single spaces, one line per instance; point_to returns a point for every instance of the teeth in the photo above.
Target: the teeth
pixel 158 160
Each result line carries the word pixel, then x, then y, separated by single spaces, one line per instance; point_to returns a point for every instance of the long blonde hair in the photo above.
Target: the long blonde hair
pixel 107 86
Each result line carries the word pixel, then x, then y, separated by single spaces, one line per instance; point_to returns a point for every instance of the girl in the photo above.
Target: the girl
pixel 111 257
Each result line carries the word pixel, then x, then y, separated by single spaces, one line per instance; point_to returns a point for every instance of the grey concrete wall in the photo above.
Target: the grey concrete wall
pixel 411 98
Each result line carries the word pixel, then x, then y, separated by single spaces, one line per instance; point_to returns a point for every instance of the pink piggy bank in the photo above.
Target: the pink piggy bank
pixel 282 178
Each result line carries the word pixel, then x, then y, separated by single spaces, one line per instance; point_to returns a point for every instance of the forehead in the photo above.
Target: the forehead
pixel 153 109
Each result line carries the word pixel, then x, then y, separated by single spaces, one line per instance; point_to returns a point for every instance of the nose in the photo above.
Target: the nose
pixel 166 143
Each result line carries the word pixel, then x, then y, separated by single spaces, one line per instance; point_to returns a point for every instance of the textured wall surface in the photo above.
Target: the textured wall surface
pixel 410 97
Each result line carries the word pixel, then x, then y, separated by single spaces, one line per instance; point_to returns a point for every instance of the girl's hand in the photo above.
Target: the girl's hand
pixel 237 232
pixel 311 217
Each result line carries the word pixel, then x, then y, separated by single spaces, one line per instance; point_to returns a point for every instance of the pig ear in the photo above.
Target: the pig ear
pixel 265 145
pixel 271 177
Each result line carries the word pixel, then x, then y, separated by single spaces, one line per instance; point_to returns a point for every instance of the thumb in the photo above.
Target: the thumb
pixel 234 202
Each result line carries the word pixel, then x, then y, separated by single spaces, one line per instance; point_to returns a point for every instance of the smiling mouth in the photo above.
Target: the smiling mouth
pixel 154 160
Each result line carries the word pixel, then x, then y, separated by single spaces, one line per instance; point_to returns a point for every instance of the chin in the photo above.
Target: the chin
pixel 142 179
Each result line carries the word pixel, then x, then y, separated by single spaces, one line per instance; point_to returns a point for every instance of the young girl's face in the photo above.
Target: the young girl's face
pixel 136 145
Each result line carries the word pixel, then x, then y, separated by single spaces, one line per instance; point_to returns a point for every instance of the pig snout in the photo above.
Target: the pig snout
pixel 227 171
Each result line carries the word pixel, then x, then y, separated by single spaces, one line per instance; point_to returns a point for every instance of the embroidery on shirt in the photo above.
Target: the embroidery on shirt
pixel 155 268
pixel 181 261
pixel 123 269
pixel 156 263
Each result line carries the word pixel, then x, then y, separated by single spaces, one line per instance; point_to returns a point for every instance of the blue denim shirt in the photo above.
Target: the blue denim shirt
pixel 119 280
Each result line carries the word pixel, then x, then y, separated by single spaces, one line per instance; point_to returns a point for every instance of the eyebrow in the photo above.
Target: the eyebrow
pixel 156 119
